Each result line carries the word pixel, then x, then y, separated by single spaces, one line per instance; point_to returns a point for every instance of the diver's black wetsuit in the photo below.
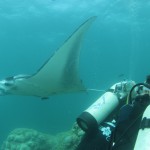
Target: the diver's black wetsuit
pixel 99 140
pixel 93 142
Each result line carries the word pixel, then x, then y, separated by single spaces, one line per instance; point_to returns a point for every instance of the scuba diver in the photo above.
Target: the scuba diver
pixel 105 127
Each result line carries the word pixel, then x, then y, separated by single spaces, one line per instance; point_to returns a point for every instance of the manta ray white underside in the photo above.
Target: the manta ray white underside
pixel 59 74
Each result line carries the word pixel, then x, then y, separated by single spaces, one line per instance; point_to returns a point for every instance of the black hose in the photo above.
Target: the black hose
pixel 130 94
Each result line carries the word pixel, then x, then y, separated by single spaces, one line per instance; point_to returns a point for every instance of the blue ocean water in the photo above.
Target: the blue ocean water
pixel 115 47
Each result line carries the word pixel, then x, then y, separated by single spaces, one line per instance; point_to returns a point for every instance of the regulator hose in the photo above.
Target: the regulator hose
pixel 138 84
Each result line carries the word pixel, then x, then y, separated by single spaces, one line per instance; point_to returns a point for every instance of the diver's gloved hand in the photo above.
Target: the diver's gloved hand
pixel 122 89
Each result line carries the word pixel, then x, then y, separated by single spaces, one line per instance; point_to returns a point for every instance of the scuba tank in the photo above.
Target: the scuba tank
pixel 93 119
pixel 93 116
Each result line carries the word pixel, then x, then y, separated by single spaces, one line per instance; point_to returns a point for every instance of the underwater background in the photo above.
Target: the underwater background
pixel 116 47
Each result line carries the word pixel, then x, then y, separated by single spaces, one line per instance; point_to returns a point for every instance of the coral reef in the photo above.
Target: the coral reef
pixel 69 140
pixel 26 139
pixel 29 139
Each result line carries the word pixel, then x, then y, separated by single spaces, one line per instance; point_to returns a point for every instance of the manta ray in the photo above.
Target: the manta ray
pixel 59 74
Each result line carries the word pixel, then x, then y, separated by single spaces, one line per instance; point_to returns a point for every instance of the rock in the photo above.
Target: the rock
pixel 26 139
pixel 29 139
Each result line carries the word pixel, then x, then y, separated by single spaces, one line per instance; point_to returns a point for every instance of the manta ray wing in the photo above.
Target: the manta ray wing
pixel 59 74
